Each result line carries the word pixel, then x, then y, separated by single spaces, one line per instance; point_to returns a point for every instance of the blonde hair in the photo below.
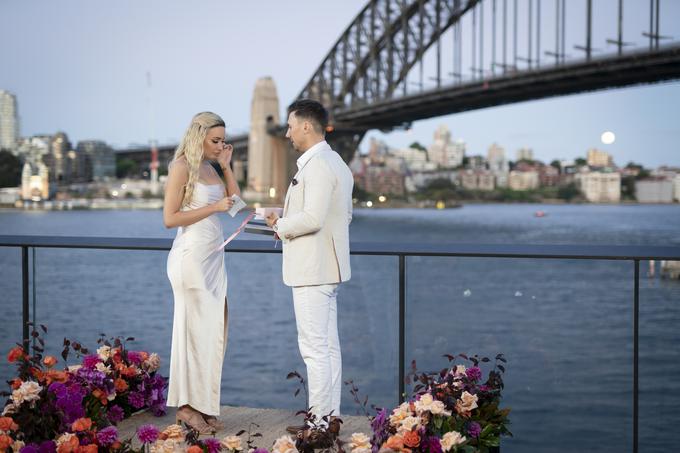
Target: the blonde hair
pixel 191 147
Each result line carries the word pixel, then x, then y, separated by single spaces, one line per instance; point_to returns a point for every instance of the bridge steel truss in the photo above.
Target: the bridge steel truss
pixel 364 79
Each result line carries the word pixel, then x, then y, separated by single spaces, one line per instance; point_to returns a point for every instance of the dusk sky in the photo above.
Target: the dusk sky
pixel 80 67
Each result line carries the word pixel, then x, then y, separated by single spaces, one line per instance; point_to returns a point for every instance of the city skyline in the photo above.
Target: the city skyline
pixel 97 86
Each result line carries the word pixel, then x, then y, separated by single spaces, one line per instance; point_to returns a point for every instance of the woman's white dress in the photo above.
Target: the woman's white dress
pixel 199 333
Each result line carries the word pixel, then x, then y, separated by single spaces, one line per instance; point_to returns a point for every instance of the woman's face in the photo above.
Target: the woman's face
pixel 213 143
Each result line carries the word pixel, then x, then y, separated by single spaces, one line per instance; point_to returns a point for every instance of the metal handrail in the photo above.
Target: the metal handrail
pixel 634 253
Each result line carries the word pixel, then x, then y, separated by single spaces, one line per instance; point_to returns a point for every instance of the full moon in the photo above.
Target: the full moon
pixel 608 137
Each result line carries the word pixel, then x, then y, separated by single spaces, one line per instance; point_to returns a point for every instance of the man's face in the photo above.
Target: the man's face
pixel 296 132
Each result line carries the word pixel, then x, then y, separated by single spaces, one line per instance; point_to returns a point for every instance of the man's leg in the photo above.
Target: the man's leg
pixel 335 353
pixel 312 311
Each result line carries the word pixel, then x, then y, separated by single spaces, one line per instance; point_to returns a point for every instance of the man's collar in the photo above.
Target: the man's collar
pixel 311 152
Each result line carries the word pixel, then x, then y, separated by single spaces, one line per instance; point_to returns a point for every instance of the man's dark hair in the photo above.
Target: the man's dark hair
pixel 311 111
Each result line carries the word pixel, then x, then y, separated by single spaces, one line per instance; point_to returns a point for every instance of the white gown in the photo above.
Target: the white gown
pixel 199 333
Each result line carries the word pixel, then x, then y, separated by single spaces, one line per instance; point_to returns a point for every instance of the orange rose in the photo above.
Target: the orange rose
pixel 15 354
pixel 16 383
pixel 82 424
pixel 395 443
pixel 56 376
pixel 162 436
pixel 101 396
pixel 92 448
pixel 8 424
pixel 120 385
pixel 143 355
pixel 69 446
pixel 130 371
pixel 5 442
pixel 411 439
pixel 116 445
pixel 50 361
pixel 194 449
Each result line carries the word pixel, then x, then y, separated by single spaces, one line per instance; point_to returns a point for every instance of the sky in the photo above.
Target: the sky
pixel 80 66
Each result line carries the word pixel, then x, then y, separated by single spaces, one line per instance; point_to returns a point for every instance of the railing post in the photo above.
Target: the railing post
pixel 402 325
pixel 24 292
pixel 636 322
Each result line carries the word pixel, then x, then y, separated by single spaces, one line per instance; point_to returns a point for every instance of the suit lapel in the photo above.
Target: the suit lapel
pixel 298 176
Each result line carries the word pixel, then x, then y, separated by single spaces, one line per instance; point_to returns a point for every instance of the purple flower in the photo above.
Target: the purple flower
pixel 115 414
pixel 47 446
pixel 431 444
pixel 91 361
pixel 69 399
pixel 473 429
pixel 212 444
pixel 474 373
pixel 107 436
pixel 380 426
pixel 260 450
pixel 134 357
pixel 484 388
pixel 159 410
pixel 94 378
pixel 30 448
pixel 136 400
pixel 147 434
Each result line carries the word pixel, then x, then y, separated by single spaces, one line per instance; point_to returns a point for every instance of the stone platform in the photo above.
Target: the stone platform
pixel 272 424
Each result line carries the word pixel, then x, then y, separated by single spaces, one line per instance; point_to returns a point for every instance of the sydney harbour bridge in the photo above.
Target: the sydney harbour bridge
pixel 401 61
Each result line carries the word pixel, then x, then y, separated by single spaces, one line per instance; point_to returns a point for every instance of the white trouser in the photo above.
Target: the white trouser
pixel 316 316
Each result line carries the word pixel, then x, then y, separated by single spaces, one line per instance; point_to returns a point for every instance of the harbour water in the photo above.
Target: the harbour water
pixel 565 326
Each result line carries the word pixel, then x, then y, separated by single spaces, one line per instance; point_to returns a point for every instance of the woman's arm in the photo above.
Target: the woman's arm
pixel 173 216
pixel 230 181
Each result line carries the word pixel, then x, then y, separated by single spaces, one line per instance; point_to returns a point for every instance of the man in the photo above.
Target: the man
pixel 314 230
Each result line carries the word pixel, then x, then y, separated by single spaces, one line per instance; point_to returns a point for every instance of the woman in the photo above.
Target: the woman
pixel 194 195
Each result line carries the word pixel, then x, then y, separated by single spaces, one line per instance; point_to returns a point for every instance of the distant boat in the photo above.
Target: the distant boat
pixel 540 214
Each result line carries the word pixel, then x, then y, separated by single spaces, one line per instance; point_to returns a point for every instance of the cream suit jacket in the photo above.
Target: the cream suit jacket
pixel 314 228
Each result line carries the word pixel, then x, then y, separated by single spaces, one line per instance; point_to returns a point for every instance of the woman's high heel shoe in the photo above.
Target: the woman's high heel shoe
pixel 194 420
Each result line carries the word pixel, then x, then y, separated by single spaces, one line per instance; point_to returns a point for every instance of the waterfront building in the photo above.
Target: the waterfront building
pixel 477 180
pixel 523 180
pixel 495 156
pixel 9 121
pixel 654 190
pixel 600 187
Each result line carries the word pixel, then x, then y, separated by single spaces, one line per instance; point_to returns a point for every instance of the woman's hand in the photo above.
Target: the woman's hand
pixel 224 204
pixel 224 158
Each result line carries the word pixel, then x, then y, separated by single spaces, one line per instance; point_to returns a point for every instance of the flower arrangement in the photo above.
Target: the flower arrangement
pixel 451 411
pixel 76 408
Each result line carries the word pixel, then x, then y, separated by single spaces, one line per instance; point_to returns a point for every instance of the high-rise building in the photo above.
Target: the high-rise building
pixel 598 158
pixel 9 121
pixel 525 154
pixel 443 151
pixel 100 162
pixel 57 158
pixel 495 156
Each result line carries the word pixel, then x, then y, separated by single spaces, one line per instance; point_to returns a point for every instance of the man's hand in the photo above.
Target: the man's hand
pixel 271 219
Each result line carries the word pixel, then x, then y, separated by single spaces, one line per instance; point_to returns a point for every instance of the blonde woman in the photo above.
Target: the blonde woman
pixel 194 196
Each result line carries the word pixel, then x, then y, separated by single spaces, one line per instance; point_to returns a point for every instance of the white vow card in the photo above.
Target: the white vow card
pixel 237 206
